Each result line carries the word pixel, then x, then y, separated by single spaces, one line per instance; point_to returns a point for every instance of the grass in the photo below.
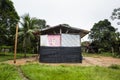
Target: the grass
pixel 104 54
pixel 9 72
pixel 10 56
pixel 45 72
pixel 114 66
pixel 62 72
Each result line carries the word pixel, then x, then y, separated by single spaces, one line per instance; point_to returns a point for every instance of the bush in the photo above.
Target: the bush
pixel 114 66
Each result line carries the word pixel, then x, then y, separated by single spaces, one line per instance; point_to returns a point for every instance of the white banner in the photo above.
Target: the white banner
pixel 43 40
pixel 65 40
pixel 69 40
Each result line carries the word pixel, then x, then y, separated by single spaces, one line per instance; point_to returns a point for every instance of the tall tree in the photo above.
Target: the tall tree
pixel 116 15
pixel 8 21
pixel 103 35
pixel 29 31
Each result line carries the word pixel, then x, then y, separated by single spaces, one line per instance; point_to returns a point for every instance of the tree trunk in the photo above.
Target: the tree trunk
pixel 25 52
pixel 112 50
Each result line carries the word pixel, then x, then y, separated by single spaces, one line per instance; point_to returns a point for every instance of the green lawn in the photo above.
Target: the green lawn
pixel 44 72
pixel 104 54
pixel 9 72
pixel 10 56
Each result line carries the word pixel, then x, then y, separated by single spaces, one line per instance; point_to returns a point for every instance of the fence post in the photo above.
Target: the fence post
pixel 15 48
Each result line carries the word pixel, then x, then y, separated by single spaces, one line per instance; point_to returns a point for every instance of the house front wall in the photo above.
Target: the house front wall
pixel 62 48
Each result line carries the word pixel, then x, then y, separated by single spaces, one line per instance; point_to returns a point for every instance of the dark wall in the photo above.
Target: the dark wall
pixel 60 54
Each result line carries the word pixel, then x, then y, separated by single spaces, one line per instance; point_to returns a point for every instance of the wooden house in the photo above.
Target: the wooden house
pixel 61 44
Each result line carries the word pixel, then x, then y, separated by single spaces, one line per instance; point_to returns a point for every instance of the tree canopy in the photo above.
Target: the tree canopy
pixel 116 15
pixel 8 20
pixel 29 32
pixel 103 35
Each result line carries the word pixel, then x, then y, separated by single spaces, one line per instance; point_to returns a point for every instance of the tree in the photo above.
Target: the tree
pixel 85 46
pixel 29 32
pixel 8 20
pixel 116 15
pixel 103 35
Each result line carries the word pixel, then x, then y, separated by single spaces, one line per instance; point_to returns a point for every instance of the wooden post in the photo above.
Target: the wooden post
pixel 15 48
pixel 60 31
pixel 39 45
pixel 60 37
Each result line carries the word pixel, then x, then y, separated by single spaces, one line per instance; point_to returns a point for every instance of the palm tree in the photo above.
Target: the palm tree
pixel 28 29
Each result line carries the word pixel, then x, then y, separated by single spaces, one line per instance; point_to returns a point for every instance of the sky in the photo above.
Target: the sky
pixel 77 13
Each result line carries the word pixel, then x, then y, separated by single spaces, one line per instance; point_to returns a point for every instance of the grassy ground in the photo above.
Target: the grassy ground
pixel 105 54
pixel 44 72
pixel 62 72
pixel 10 56
pixel 9 72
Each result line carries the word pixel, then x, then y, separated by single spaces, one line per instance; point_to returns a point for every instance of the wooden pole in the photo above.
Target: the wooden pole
pixel 15 48
pixel 39 46
pixel 60 37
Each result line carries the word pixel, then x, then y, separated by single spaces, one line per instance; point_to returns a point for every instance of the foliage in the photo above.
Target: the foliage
pixel 27 30
pixel 116 14
pixel 29 33
pixel 9 72
pixel 85 43
pixel 7 47
pixel 114 66
pixel 103 54
pixel 8 21
pixel 103 35
pixel 84 46
pixel 45 72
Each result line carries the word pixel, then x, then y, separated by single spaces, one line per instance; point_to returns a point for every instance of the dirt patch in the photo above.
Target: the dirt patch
pixel 102 61
pixel 22 61
pixel 87 61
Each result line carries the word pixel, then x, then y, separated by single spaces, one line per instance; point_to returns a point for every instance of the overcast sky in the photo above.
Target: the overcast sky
pixel 77 13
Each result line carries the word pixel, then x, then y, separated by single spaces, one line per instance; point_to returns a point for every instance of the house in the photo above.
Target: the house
pixel 61 44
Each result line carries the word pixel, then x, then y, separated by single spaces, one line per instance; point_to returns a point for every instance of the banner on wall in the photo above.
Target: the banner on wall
pixel 53 40
pixel 65 40
pixel 43 40
pixel 69 40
